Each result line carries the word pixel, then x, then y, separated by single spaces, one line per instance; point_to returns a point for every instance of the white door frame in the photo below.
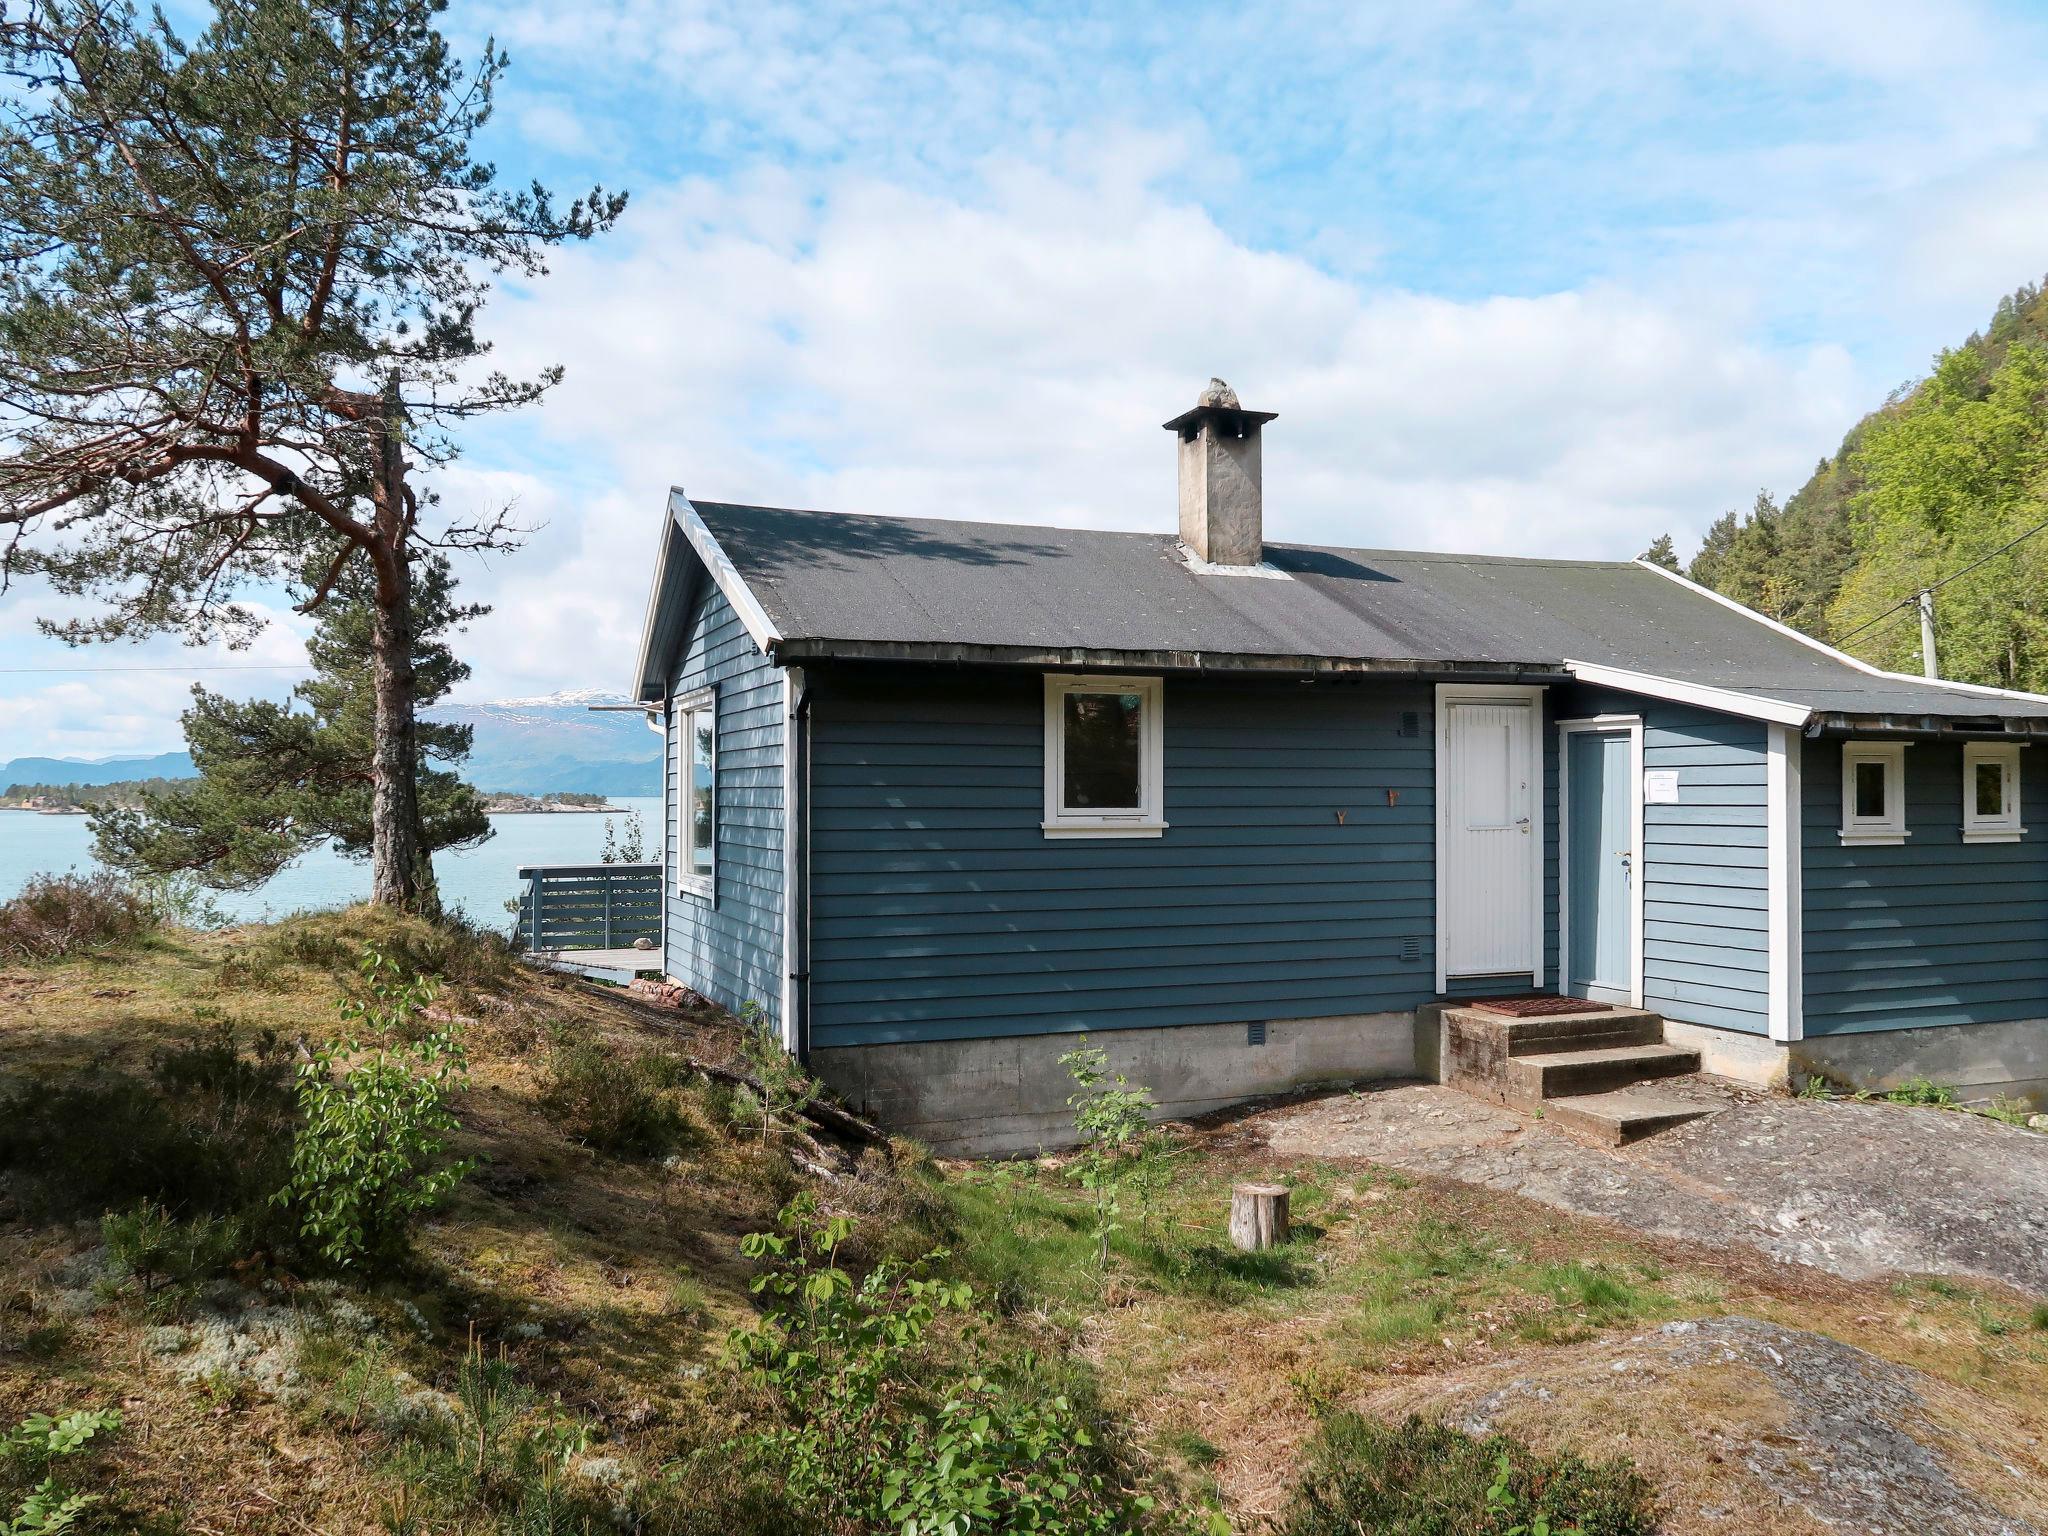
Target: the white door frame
pixel 1498 693
pixel 1601 724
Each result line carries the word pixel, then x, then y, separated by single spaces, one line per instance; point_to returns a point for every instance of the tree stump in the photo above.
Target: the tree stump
pixel 1258 1216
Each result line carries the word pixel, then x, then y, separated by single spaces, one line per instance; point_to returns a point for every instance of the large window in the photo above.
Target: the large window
pixel 1103 769
pixel 696 805
pixel 1874 792
pixel 1991 792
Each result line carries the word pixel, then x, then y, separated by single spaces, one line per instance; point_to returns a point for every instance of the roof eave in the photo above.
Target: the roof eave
pixel 1099 658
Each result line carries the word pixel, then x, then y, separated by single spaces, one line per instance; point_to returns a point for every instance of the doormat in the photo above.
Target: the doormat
pixel 1536 1007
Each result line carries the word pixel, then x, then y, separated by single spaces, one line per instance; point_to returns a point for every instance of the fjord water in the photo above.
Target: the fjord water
pixel 477 882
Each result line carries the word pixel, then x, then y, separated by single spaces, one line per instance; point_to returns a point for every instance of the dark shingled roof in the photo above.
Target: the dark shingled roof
pixel 840 584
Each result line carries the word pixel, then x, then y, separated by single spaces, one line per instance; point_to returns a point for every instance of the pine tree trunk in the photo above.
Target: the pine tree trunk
pixel 401 868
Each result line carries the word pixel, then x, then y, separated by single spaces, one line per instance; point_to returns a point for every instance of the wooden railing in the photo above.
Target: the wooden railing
pixel 589 906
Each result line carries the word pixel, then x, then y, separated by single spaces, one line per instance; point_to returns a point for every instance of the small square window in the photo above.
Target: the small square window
pixel 1103 769
pixel 1991 792
pixel 695 721
pixel 1874 792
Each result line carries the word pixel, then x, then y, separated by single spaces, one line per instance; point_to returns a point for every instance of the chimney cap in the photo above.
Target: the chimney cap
pixel 1218 405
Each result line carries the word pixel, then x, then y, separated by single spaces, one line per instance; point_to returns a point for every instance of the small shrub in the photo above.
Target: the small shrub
pixel 2038 1318
pixel 1922 1091
pixel 30 1449
pixel 169 1258
pixel 1424 1479
pixel 620 1103
pixel 369 1154
pixel 59 915
pixel 206 1132
pixel 876 1431
pixel 1110 1119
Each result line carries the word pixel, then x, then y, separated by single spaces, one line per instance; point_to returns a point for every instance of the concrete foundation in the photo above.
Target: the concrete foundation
pixel 1979 1061
pixel 1752 1059
pixel 995 1098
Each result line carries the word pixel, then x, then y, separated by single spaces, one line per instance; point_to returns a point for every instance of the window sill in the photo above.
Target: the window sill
pixel 705 891
pixel 1995 835
pixel 1118 829
pixel 1873 839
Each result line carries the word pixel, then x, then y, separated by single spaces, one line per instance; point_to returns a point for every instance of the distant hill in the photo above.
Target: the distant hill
pixel 522 746
pixel 95 771
pixel 557 742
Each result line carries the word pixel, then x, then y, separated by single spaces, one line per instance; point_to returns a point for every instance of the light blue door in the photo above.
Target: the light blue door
pixel 1600 866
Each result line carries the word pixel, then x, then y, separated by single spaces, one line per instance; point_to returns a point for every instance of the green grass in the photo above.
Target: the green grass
pixel 1026 1238
pixel 1423 1479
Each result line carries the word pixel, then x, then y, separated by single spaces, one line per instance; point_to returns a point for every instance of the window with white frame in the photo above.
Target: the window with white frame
pixel 696 801
pixel 1874 792
pixel 1991 792
pixel 1103 769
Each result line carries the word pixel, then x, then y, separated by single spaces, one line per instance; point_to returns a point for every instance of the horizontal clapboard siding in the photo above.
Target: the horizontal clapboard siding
pixel 939 910
pixel 1932 931
pixel 730 948
pixel 1706 933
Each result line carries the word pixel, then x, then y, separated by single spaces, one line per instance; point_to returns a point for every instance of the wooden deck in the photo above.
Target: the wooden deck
pixel 604 964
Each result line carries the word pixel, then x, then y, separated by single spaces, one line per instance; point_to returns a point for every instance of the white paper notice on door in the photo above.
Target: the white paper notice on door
pixel 1660 786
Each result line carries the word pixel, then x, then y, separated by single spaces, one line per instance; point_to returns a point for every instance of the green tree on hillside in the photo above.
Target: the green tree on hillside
pixel 1953 472
pixel 239 280
pixel 1797 562
pixel 275 780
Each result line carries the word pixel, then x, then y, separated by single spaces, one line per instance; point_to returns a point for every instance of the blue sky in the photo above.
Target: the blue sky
pixel 1517 277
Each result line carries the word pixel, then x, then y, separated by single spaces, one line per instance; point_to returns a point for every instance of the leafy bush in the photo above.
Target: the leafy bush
pixel 204 1133
pixel 1116 1154
pixel 876 1433
pixel 29 1449
pixel 1424 1479
pixel 58 915
pixel 623 1103
pixel 369 1154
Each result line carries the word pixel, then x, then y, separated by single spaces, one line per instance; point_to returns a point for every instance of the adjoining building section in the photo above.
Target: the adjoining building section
pixel 945 795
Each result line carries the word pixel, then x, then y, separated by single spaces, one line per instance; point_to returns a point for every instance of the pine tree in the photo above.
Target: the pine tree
pixel 1661 553
pixel 277 780
pixel 239 280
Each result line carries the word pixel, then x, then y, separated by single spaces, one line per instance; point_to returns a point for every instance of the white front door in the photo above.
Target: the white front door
pixel 1490 783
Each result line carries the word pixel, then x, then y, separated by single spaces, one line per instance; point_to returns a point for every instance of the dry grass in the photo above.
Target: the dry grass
pixel 609 1279
pixel 569 1258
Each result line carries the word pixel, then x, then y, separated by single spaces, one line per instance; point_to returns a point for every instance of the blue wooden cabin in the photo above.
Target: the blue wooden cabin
pixel 944 795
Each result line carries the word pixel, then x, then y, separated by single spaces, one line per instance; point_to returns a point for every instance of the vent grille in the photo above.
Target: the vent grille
pixel 1411 947
pixel 1255 1034
pixel 1411 723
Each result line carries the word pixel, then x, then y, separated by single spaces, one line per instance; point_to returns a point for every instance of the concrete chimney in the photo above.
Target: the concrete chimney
pixel 1222 509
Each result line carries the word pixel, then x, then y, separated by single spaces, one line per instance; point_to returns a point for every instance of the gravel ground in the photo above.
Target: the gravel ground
pixel 1855 1189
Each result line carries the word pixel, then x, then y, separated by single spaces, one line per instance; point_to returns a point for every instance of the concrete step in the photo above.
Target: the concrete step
pixel 1615 1119
pixel 1559 1074
pixel 1582 1031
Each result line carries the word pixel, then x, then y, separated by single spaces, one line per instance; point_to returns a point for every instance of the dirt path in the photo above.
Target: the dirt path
pixel 1855 1189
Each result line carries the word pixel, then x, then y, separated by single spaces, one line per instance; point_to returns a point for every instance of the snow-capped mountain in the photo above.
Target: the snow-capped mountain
pixel 558 742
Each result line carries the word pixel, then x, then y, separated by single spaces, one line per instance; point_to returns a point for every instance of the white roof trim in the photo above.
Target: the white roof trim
pixel 683 516
pixel 641 652
pixel 724 572
pixel 1828 650
pixel 1724 700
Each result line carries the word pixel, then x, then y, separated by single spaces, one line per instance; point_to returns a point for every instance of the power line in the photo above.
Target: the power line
pixel 1937 586
pixel 251 666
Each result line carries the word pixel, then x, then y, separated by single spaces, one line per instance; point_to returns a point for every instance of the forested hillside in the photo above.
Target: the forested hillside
pixel 1944 475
